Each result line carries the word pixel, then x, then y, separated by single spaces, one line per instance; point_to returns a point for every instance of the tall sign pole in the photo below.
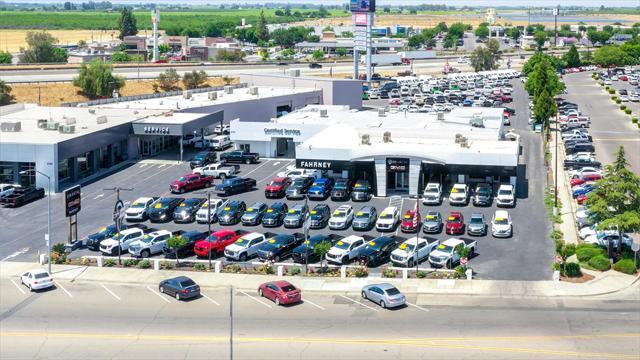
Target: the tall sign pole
pixel 363 12
pixel 155 19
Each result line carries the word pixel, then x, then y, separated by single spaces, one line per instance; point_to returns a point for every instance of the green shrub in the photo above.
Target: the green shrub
pixel 614 98
pixel 572 270
pixel 557 235
pixel 360 271
pixel 130 262
pixel 622 107
pixel 586 254
pixel 234 268
pixel 295 271
pixel 600 263
pixel 627 111
pixel 144 264
pixel 389 273
pixel 612 91
pixel 421 274
pixel 58 248
pixel 199 267
pixel 626 266
pixel 607 88
pixel 109 262
pixel 459 271
pixel 634 119
pixel 618 101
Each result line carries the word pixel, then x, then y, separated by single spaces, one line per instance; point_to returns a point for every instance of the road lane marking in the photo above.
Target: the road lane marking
pixel 314 304
pixel 256 299
pixel 62 287
pixel 19 252
pixel 18 287
pixel 210 299
pixel 143 165
pixel 161 166
pixel 158 295
pixel 257 167
pixel 417 307
pixel 98 196
pixel 275 173
pixel 111 292
pixel 276 163
pixel 359 303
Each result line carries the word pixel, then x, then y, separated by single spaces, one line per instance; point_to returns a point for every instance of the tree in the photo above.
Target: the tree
pixel 632 50
pixel 82 44
pixel 598 37
pixel 318 55
pixel 346 34
pixel 481 59
pixel 41 49
pixel 530 65
pixel 321 249
pixel 261 28
pixel 227 79
pixel 544 107
pixel 213 30
pixel 544 76
pixel 120 56
pixel 127 23
pixel 449 42
pixel 482 32
pixel 513 33
pixel 341 52
pixel 416 41
pixel 386 9
pixel 97 79
pixel 457 30
pixel 5 94
pixel 279 13
pixel 5 57
pixel 175 243
pixel 611 55
pixel 168 80
pixel 230 55
pixel 194 79
pixel 572 57
pixel 441 27
pixel 540 38
pixel 164 48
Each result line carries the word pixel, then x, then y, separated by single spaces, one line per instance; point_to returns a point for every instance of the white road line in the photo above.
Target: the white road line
pixel 275 172
pixel 111 292
pixel 19 252
pixel 159 295
pixel 210 299
pixel 18 287
pixel 276 163
pixel 161 166
pixel 98 196
pixel 63 289
pixel 316 305
pixel 143 165
pixel 359 303
pixel 255 299
pixel 256 168
pixel 417 307
pixel 401 205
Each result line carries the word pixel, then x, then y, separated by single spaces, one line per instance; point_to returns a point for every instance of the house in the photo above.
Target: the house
pixel 136 45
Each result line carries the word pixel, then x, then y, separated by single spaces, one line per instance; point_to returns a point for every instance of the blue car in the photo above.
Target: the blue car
pixel 320 189
pixel 467 102
pixel 583 190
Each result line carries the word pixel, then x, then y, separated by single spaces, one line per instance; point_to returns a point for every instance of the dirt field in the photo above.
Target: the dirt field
pixel 13 40
pixel 55 94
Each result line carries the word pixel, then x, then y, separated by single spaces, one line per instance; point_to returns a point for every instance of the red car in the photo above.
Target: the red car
pixel 624 78
pixel 190 182
pixel 587 178
pixel 277 188
pixel 455 224
pixel 407 222
pixel 280 292
pixel 217 242
pixel 581 199
pixel 395 102
pixel 505 98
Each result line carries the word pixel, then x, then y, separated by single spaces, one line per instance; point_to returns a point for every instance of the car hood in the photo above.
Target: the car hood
pixel 386 221
pixel 362 220
pixel 337 219
pixel 134 210
pixel 292 217
pixel 234 247
pixel 452 225
pixel 160 210
pixel 180 209
pixel 227 214
pixel 336 251
pixel 501 227
pixel 272 215
pixel 274 188
pixel 317 188
pixel 438 253
pixel 177 183
pixel 268 247
pixel 96 237
pixel 109 242
pixel 476 226
pixel 137 243
pixel 400 252
pixel 431 223
pixel 250 215
pixel 368 251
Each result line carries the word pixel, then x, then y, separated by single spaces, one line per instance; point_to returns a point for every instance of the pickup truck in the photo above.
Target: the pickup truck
pixel 347 249
pixel 7 189
pixel 217 242
pixel 217 170
pixel 579 163
pixel 240 156
pixel 208 212
pixel 575 122
pixel 405 254
pixel 21 196
pixel 92 241
pixel 124 238
pixel 191 182
pixel 432 194
pixel 138 211
pixel 186 250
pixel 277 188
pixel 246 246
pixel 279 247
pixel 151 243
pixel 447 253
pixel 506 195
pixel 235 186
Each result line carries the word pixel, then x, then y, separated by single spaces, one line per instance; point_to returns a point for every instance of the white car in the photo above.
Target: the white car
pixel 341 217
pixel 603 238
pixel 388 219
pixel 138 209
pixel 607 81
pixel 36 279
pixel 124 238
pixel 405 254
pixel 624 98
pixel 151 244
pixel 506 195
pixel 245 247
pixel 459 194
pixel 432 194
pixel 614 78
pixel 501 225
pixel 211 207
pixel 346 250
pixel 294 173
pixel 579 173
pixel 634 98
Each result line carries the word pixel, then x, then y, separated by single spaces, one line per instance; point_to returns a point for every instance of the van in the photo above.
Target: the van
pixel 220 142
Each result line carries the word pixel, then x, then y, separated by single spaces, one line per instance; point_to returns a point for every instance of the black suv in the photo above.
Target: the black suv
pixel 300 253
pixel 361 191
pixel 203 158
pixel 186 211
pixel 279 247
pixel 319 216
pixel 299 187
pixel 232 213
pixel 341 190
pixel 162 210
pixel 192 237
pixel 378 250
pixel 275 214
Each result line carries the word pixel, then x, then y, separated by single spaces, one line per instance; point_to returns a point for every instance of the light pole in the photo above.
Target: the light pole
pixel 305 224
pixel 48 234
pixel 208 192
pixel 116 219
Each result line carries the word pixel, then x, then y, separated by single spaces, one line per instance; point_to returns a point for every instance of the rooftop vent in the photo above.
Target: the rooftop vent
pixel 382 112
pixel 10 126
pixel 386 137
pixel 69 120
pixel 324 113
pixel 228 89
pixel 212 95
pixel 51 125
pixel 366 139
pixel 92 111
pixel 186 94
pixel 253 90
pixel 42 123
pixel 67 129
pixel 101 119
pixel 441 116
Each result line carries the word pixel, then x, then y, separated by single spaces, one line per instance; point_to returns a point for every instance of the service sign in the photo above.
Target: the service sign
pixel 363 5
pixel 72 198
pixel 397 165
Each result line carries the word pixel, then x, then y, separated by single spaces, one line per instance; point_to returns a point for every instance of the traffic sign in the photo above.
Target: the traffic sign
pixel 118 211
pixel 464 261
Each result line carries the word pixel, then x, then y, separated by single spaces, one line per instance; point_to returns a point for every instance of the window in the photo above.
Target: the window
pixel 84 169
pixel 6 172
pixel 28 178
pixel 64 173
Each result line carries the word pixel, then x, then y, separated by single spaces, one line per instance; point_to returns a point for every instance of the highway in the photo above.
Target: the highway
pixel 105 321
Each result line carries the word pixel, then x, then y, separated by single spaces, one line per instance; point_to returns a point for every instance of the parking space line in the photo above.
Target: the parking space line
pixel 62 287
pixel 158 295
pixel 210 299
pixel 272 174
pixel 312 303
pixel 257 167
pixel 276 163
pixel 18 287
pixel 417 307
pixel 255 299
pixel 111 292
pixel 359 303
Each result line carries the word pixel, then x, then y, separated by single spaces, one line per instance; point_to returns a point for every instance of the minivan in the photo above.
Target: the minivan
pixel 220 142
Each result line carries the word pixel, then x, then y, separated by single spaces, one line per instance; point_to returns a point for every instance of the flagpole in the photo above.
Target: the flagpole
pixel 416 220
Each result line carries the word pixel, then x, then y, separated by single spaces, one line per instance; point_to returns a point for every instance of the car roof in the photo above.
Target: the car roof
pixel 390 209
pixel 257 204
pixel 351 238
pixel 501 213
pixel 281 179
pixel 506 186
pixel 38 271
pixel 181 278
pixel 319 206
pixel 277 205
pixel 143 199
pixel 477 215
pixel 344 207
pixel 455 213
pixel 192 200
pixel 251 236
pixel 366 209
pixel 385 286
pixel 280 283
pixel 235 203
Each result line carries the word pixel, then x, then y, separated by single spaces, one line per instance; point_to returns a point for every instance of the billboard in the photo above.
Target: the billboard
pixel 72 201
pixel 363 5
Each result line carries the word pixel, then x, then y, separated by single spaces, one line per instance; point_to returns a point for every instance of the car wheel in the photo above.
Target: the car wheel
pixel 247 161
pixel 276 259
pixel 260 293
pixel 364 295
pixel 277 301
pixel 223 177
pixel 207 184
pixel 243 257
pixel 182 191
pixel 177 296
pixel 145 254
pixel 382 304
pixel 449 264
pixel 410 263
pixel 162 289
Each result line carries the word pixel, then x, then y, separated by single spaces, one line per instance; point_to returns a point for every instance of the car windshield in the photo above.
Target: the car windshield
pixel 386 215
pixel 392 291
pixel 342 245
pixel 137 205
pixel 454 219
pixel 362 215
pixel 376 245
pixel 40 275
pixel 189 202
pixel 106 230
pixel 340 186
pixel 484 191
pixel 476 220
pixel 339 213
pixel 431 190
pixel 252 210
pixel 187 283
pixel 501 221
pixel 407 247
pixel 298 183
pixel 504 192
pixel 275 183
pixel 277 241
pixel 445 248
pixel 199 158
pixel 227 182
pixel 294 211
pixel 288 288
pixel 183 179
pixel 161 205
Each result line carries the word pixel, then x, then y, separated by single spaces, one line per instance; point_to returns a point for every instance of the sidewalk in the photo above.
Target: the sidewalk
pixel 569 206
pixel 604 283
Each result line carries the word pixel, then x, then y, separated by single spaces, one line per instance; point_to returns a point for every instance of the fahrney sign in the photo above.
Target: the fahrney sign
pixel 323 164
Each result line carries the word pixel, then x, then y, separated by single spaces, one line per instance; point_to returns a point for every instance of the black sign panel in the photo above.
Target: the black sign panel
pixel 362 5
pixel 72 201
pixel 323 164
pixel 397 165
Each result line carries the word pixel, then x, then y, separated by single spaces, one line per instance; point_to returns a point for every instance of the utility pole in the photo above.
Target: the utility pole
pixel 208 192
pixel 231 323
pixel 116 216
pixel 305 225
pixel 556 12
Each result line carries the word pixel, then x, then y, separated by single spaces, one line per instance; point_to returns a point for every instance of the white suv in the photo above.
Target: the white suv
pixel 459 194
pixel 151 244
pixel 432 194
pixel 346 250
pixel 501 224
pixel 341 217
pixel 388 219
pixel 506 195
pixel 245 247
pixel 138 210
pixel 124 238
pixel 212 207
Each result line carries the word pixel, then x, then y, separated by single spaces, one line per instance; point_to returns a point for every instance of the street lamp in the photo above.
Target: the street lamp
pixel 48 234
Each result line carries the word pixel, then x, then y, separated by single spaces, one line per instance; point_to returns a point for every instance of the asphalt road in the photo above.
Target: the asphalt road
pixel 610 127
pixel 107 321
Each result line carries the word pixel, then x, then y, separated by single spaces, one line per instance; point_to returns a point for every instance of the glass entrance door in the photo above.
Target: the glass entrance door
pixel 402 181
pixel 145 147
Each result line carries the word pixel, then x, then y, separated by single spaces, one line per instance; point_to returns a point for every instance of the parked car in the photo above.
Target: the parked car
pixel 217 242
pixel 432 194
pixel 477 225
pixel 501 225
pixel 151 244
pixel 191 182
pixel 459 194
pixel 405 255
pixel 341 218
pixel 277 188
pixel 280 292
pixel 432 223
pixel 385 295
pixel 162 210
pixel 605 238
pixel 346 249
pixel 279 247
pixel 7 189
pixel 341 190
pixel 246 246
pixel 232 213
pixel 139 208
pixel 240 156
pixel 21 196
pixel 407 225
pixel 187 249
pixel 506 195
pixel 378 251
pixel 455 224
pixel 208 212
pixel 119 243
pixel 447 253
pixel 306 249
pixel 254 213
pixel 235 186
pixel 92 241
pixel 275 215
pixel 361 191
pixel 321 188
pixel 365 218
pixel 483 195
pixel 217 170
pixel 582 189
pixel 319 216
pixel 186 211
pixel 388 219
pixel 296 215
pixel 298 189
pixel 579 163
pixel 36 279
pixel 202 158
pixel 180 287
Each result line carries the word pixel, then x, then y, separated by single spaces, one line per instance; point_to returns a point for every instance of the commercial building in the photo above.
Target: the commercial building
pixel 397 152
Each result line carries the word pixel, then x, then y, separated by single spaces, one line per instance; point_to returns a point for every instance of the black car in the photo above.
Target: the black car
pixel 510 111
pixel 203 158
pixel 21 196
pixel 279 247
pixel 319 216
pixel 232 213
pixel 580 147
pixel 341 190
pixel 92 241
pixel 579 163
pixel 180 287
pixel 299 187
pixel 254 213
pixel 315 66
pixel 362 191
pixel 235 185
pixel 186 250
pixel 365 219
pixel 162 210
pixel 378 251
pixel 275 215
pixel 186 211
pixel 623 92
pixel 483 195
pixel 299 254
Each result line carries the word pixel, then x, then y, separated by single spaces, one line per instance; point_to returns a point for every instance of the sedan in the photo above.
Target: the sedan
pixel 477 225
pixel 280 292
pixel 180 287
pixel 432 222
pixel 385 295
pixel 36 279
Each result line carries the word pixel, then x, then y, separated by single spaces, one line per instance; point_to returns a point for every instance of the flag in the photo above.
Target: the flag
pixel 416 216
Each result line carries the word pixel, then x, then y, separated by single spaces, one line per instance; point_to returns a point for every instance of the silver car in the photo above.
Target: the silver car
pixel 385 295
